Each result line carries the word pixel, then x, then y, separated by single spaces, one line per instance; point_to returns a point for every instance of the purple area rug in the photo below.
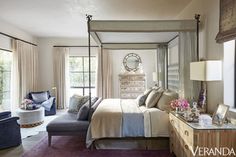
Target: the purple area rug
pixel 75 147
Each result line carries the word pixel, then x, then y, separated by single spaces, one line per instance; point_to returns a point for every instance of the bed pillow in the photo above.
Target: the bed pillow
pixel 39 97
pixel 93 108
pixel 83 113
pixel 140 100
pixel 153 98
pixel 76 101
pixel 164 102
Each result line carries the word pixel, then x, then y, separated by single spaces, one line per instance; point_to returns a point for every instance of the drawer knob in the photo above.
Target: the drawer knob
pixel 186 146
pixel 186 133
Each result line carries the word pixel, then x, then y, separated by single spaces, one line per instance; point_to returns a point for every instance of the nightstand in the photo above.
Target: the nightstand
pixel 186 138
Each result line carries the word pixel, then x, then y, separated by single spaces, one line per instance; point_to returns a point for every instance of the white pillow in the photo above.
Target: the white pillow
pixel 164 102
pixel 153 98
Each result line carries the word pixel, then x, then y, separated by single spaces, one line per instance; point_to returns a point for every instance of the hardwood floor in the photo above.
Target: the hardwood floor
pixel 26 145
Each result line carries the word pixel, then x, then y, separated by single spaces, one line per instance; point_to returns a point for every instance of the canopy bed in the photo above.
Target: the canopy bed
pixel 121 123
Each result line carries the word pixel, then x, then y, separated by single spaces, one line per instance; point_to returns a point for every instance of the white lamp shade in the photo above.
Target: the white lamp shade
pixel 154 76
pixel 206 70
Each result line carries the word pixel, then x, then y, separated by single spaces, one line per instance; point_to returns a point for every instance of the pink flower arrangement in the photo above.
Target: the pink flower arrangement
pixel 27 101
pixel 179 103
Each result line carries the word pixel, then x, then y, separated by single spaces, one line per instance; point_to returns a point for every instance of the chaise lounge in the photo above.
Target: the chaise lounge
pixel 68 125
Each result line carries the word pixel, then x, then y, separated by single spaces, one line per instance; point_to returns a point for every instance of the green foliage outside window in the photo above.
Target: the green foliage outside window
pixel 5 77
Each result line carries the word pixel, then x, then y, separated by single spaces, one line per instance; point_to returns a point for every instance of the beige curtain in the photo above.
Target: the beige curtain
pixel 104 75
pixel 61 75
pixel 161 65
pixel 24 71
pixel 187 53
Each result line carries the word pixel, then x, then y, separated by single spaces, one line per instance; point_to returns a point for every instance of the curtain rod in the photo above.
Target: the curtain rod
pixel 5 50
pixel 72 46
pixel 18 39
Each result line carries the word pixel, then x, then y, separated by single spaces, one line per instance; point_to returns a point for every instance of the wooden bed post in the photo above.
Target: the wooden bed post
pixel 89 18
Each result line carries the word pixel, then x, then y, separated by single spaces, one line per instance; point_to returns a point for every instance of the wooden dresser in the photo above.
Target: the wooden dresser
pixel 132 85
pixel 185 137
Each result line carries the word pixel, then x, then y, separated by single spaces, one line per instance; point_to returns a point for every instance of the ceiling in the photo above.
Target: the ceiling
pixel 66 18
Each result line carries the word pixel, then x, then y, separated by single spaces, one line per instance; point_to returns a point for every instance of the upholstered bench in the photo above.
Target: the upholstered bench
pixel 68 125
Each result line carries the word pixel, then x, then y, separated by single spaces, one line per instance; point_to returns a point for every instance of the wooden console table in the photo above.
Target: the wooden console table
pixel 186 138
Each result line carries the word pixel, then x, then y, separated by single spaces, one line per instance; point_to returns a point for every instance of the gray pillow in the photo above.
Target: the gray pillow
pixel 40 97
pixel 76 102
pixel 83 113
pixel 164 102
pixel 153 98
pixel 140 100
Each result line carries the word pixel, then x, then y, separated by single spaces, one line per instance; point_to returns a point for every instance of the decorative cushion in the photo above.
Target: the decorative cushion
pixel 39 97
pixel 93 108
pixel 76 101
pixel 147 91
pixel 164 102
pixel 153 98
pixel 140 100
pixel 84 110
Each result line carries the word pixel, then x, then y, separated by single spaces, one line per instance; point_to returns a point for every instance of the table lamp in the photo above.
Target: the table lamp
pixel 203 71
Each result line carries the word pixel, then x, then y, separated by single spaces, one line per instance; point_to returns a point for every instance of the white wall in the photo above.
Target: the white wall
pixel 148 58
pixel 46 58
pixel 209 49
pixel 16 32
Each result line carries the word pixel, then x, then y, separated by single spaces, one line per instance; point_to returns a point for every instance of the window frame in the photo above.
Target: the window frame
pixel 83 72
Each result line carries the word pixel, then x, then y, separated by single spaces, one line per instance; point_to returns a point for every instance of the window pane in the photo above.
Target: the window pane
pixel 78 91
pixel 92 91
pixel 86 64
pixel 76 64
pixel 5 78
pixel 86 79
pixel 76 80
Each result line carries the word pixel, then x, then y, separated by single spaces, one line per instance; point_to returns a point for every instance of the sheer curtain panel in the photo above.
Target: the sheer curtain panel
pixel 161 64
pixel 24 71
pixel 61 75
pixel 104 75
pixel 187 54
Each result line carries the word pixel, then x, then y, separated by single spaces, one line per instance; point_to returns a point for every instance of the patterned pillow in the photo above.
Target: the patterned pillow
pixel 140 100
pixel 76 101
pixel 39 97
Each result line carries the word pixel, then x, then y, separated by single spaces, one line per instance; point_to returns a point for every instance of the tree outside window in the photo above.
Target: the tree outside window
pixel 5 79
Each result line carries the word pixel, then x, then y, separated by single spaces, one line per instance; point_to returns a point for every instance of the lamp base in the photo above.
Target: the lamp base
pixel 202 99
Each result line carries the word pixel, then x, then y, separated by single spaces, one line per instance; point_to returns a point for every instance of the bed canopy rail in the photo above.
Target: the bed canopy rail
pixel 143 34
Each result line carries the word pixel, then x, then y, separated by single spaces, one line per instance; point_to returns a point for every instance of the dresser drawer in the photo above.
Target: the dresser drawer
pixel 186 133
pixel 174 121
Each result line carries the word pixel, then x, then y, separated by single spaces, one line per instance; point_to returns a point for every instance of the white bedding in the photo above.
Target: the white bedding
pixel 112 117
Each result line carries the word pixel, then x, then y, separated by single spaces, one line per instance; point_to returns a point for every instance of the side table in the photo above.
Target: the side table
pixel 30 118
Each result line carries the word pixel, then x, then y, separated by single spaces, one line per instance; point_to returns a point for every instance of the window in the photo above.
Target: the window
pixel 229 73
pixel 5 79
pixel 79 75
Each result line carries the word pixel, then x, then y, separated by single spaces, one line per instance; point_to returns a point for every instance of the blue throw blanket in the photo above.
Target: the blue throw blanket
pixel 48 103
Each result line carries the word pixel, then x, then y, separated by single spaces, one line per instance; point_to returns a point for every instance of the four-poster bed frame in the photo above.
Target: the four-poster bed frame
pixel 114 34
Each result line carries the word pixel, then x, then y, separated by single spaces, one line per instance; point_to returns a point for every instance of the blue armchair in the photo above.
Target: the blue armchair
pixel 48 111
pixel 9 130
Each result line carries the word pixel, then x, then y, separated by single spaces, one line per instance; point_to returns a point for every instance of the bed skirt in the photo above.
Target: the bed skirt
pixel 154 143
